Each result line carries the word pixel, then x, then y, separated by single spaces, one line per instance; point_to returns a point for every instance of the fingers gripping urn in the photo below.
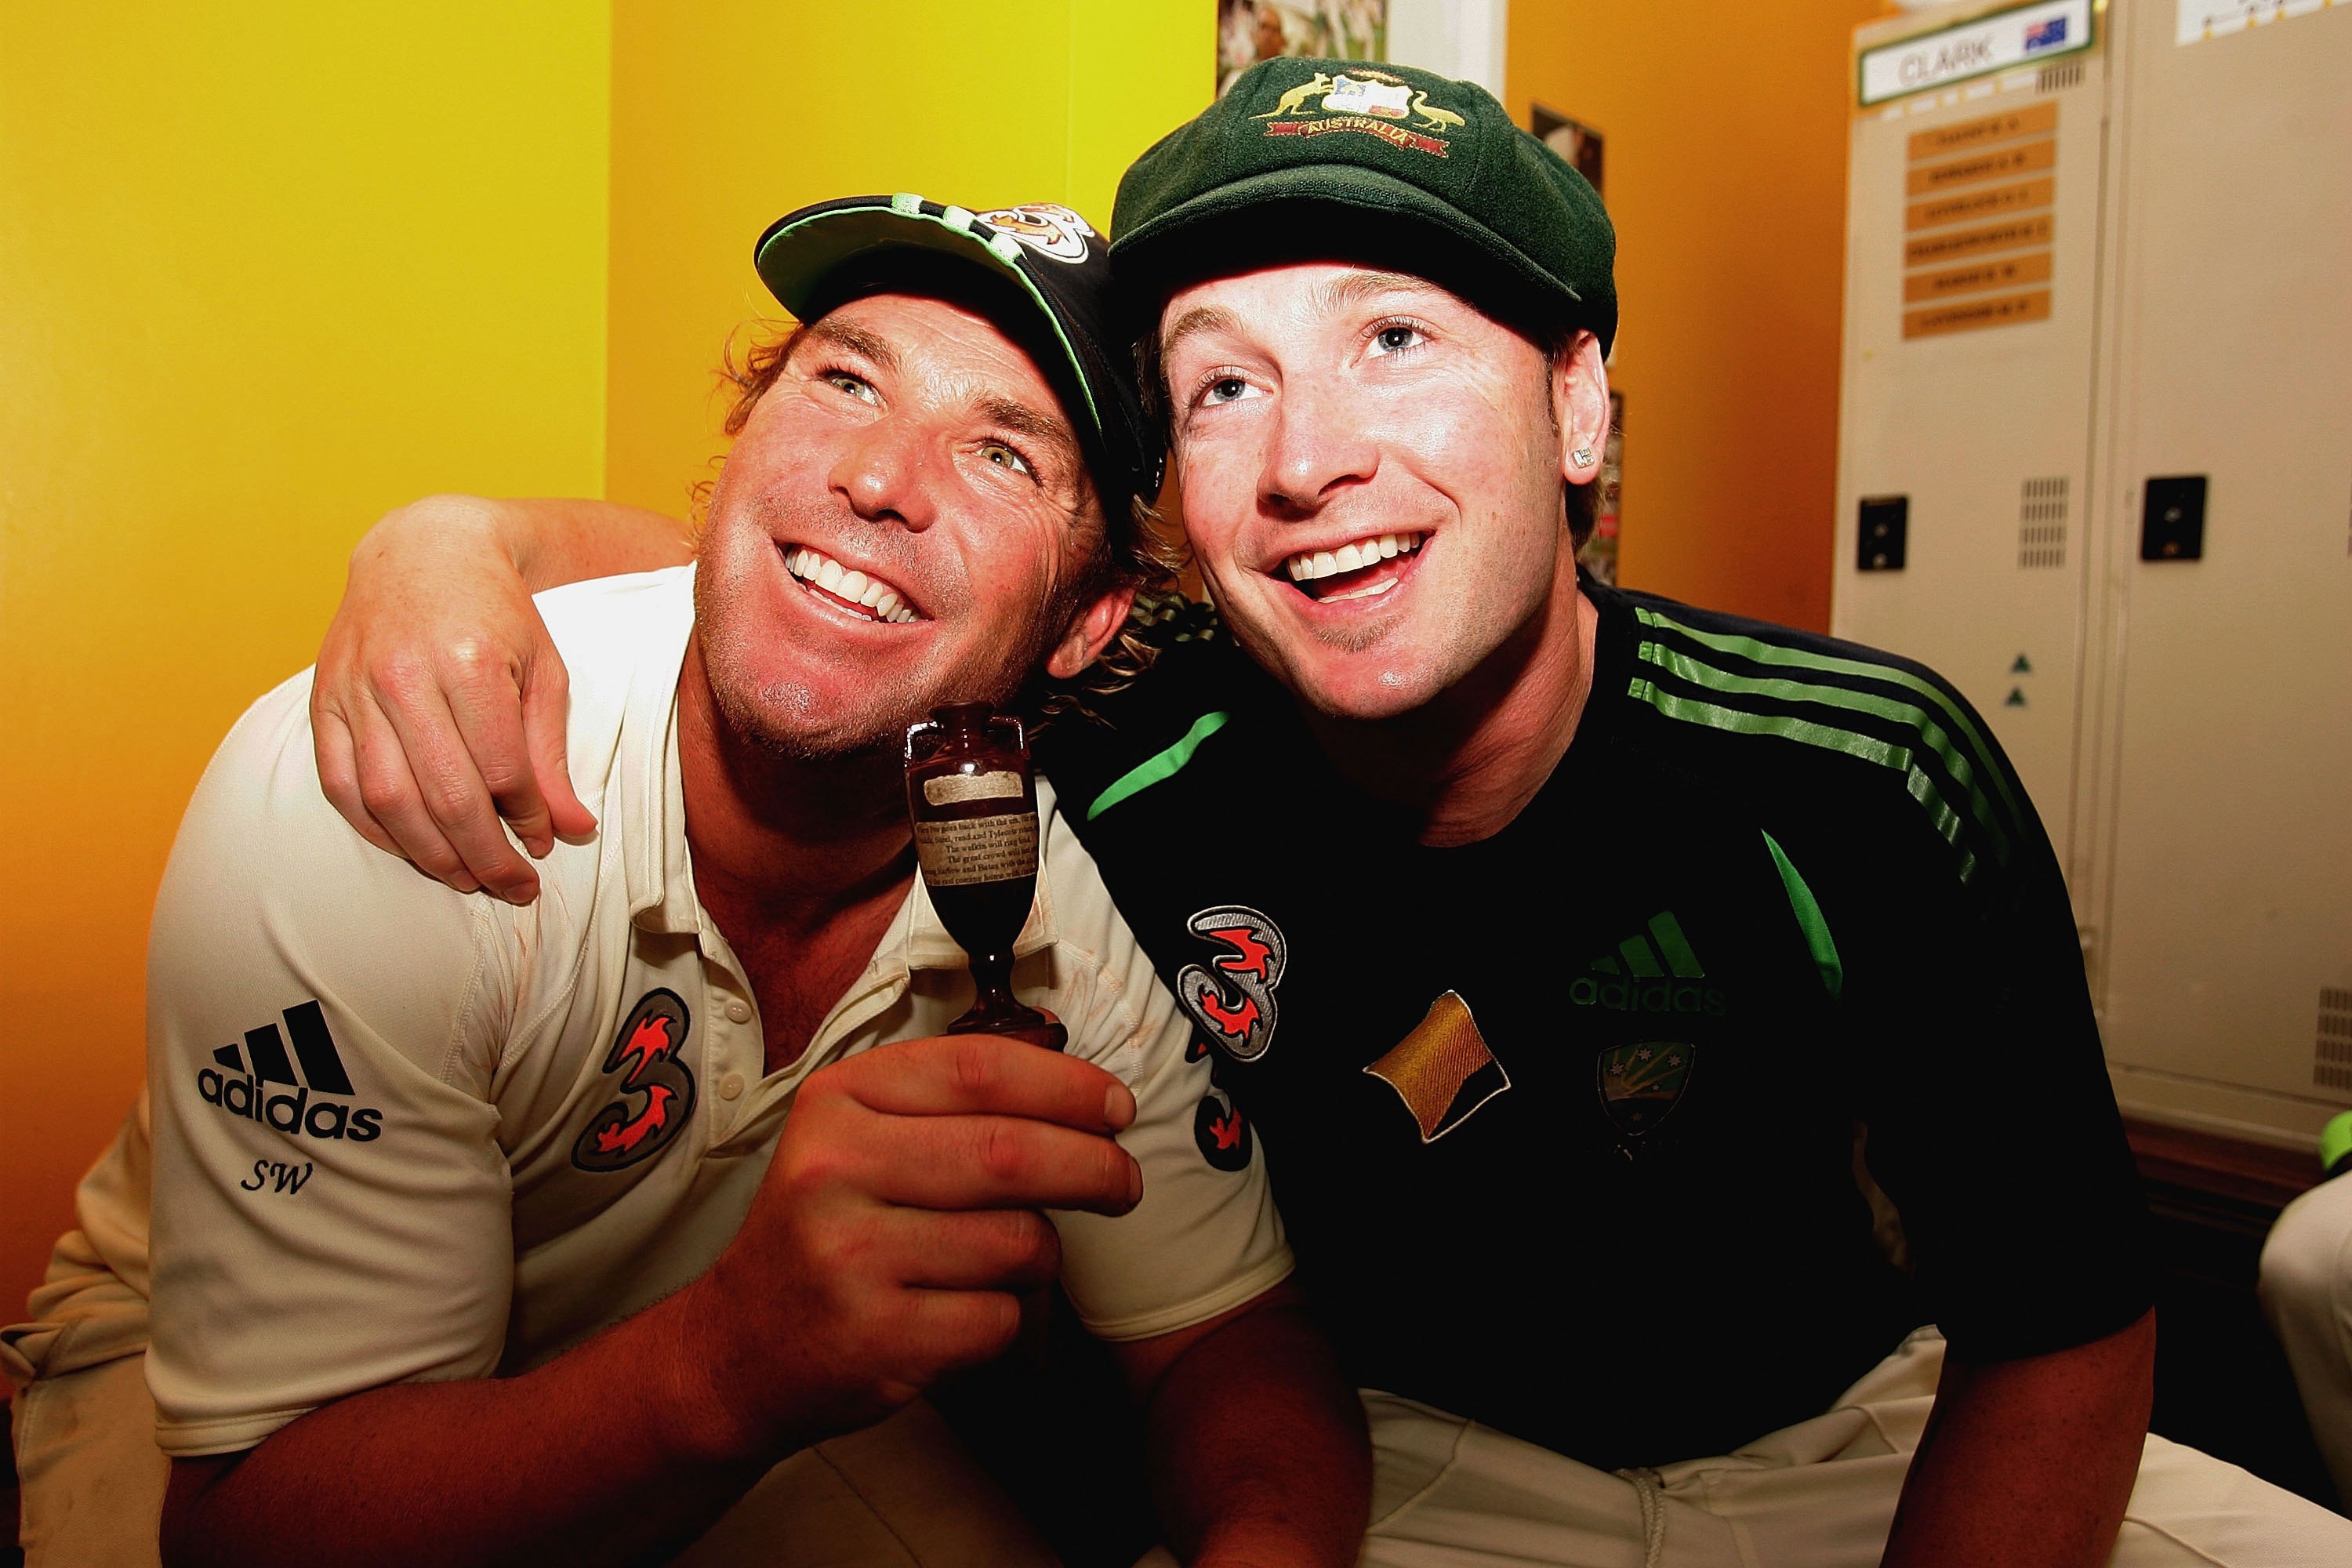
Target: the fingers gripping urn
pixel 974 803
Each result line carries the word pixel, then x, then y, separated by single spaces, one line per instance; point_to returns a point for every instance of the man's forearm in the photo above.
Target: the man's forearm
pixel 2029 1462
pixel 556 541
pixel 616 1452
pixel 879 1254
pixel 1259 1454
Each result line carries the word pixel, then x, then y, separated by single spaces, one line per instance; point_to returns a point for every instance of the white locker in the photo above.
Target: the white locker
pixel 2091 246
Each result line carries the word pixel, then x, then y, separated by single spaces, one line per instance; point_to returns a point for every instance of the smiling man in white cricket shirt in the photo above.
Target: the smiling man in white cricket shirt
pixel 484 1233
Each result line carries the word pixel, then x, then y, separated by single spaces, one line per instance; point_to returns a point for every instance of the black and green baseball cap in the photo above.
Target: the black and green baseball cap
pixel 1341 160
pixel 1036 270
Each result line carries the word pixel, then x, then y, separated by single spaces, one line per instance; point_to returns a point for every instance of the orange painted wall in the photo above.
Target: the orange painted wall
pixel 1726 125
pixel 267 268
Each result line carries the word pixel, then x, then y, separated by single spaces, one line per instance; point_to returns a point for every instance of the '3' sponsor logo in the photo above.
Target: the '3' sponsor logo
pixel 656 1087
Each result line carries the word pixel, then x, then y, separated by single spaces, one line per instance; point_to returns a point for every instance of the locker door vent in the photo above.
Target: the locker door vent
pixel 2042 524
pixel 2331 1066
pixel 2058 78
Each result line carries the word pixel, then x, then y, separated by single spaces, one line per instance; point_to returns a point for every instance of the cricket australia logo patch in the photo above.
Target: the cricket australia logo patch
pixel 1368 102
pixel 1231 997
pixel 656 1087
pixel 1442 1070
pixel 1641 1084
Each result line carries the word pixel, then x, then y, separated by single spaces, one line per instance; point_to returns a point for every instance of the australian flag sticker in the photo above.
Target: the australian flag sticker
pixel 2045 35
pixel 1641 1084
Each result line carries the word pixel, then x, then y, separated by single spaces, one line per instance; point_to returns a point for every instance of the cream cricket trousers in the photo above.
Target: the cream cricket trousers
pixel 1448 1493
pixel 2307 1288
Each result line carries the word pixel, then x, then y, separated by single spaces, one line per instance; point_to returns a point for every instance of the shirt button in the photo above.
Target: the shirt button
pixel 732 1086
pixel 738 1011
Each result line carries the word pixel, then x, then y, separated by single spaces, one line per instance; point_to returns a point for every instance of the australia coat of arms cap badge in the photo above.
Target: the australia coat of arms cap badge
pixel 1371 103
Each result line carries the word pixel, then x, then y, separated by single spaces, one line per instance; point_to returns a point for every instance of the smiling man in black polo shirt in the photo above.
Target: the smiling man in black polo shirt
pixel 1573 953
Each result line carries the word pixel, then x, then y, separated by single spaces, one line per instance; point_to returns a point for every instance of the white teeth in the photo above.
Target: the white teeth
pixel 871 594
pixel 1309 564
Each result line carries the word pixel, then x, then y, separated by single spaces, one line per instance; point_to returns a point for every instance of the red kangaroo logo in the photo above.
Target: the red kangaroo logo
pixel 1233 999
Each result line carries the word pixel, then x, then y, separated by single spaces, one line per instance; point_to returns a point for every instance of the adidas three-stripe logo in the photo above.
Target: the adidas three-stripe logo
pixel 1878 712
pixel 1641 958
pixel 310 1106
pixel 1652 970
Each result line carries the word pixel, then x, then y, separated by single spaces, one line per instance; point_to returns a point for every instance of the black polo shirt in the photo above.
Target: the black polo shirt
pixel 1566 1123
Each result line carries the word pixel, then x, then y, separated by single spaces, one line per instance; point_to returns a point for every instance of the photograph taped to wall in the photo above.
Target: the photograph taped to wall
pixel 1574 140
pixel 1249 31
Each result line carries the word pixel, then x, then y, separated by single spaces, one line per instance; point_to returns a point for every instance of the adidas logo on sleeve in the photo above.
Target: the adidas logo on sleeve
pixel 1652 970
pixel 314 1105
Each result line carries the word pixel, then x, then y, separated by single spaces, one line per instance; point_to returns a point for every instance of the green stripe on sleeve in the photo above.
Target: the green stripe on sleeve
pixel 1160 765
pixel 1808 912
pixel 1907 714
pixel 1770 653
pixel 1868 748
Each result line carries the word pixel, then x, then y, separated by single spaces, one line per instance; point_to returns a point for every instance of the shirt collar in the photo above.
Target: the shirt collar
pixel 658 864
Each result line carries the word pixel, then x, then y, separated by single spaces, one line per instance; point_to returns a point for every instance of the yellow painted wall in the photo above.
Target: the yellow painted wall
pixel 265 269
pixel 727 115
pixel 1726 124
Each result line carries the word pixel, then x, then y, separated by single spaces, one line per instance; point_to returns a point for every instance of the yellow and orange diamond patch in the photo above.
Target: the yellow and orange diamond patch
pixel 1442 1070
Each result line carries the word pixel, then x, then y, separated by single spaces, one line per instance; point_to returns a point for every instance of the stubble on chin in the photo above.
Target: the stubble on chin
pixel 786 718
pixel 792 720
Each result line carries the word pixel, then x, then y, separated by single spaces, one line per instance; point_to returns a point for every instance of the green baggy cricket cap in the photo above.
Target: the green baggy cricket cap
pixel 1341 160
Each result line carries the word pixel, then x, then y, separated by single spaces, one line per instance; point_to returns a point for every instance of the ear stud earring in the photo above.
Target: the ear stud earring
pixel 1582 457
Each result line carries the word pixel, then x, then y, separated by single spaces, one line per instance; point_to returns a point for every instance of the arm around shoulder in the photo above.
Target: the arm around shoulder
pixel 439 708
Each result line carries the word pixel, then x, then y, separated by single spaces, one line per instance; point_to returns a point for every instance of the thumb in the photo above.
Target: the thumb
pixel 546 709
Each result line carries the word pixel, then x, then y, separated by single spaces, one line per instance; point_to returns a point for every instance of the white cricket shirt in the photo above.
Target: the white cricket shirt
pixel 406 1133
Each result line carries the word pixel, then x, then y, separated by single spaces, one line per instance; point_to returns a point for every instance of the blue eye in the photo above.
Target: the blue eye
pixel 1396 338
pixel 1225 389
